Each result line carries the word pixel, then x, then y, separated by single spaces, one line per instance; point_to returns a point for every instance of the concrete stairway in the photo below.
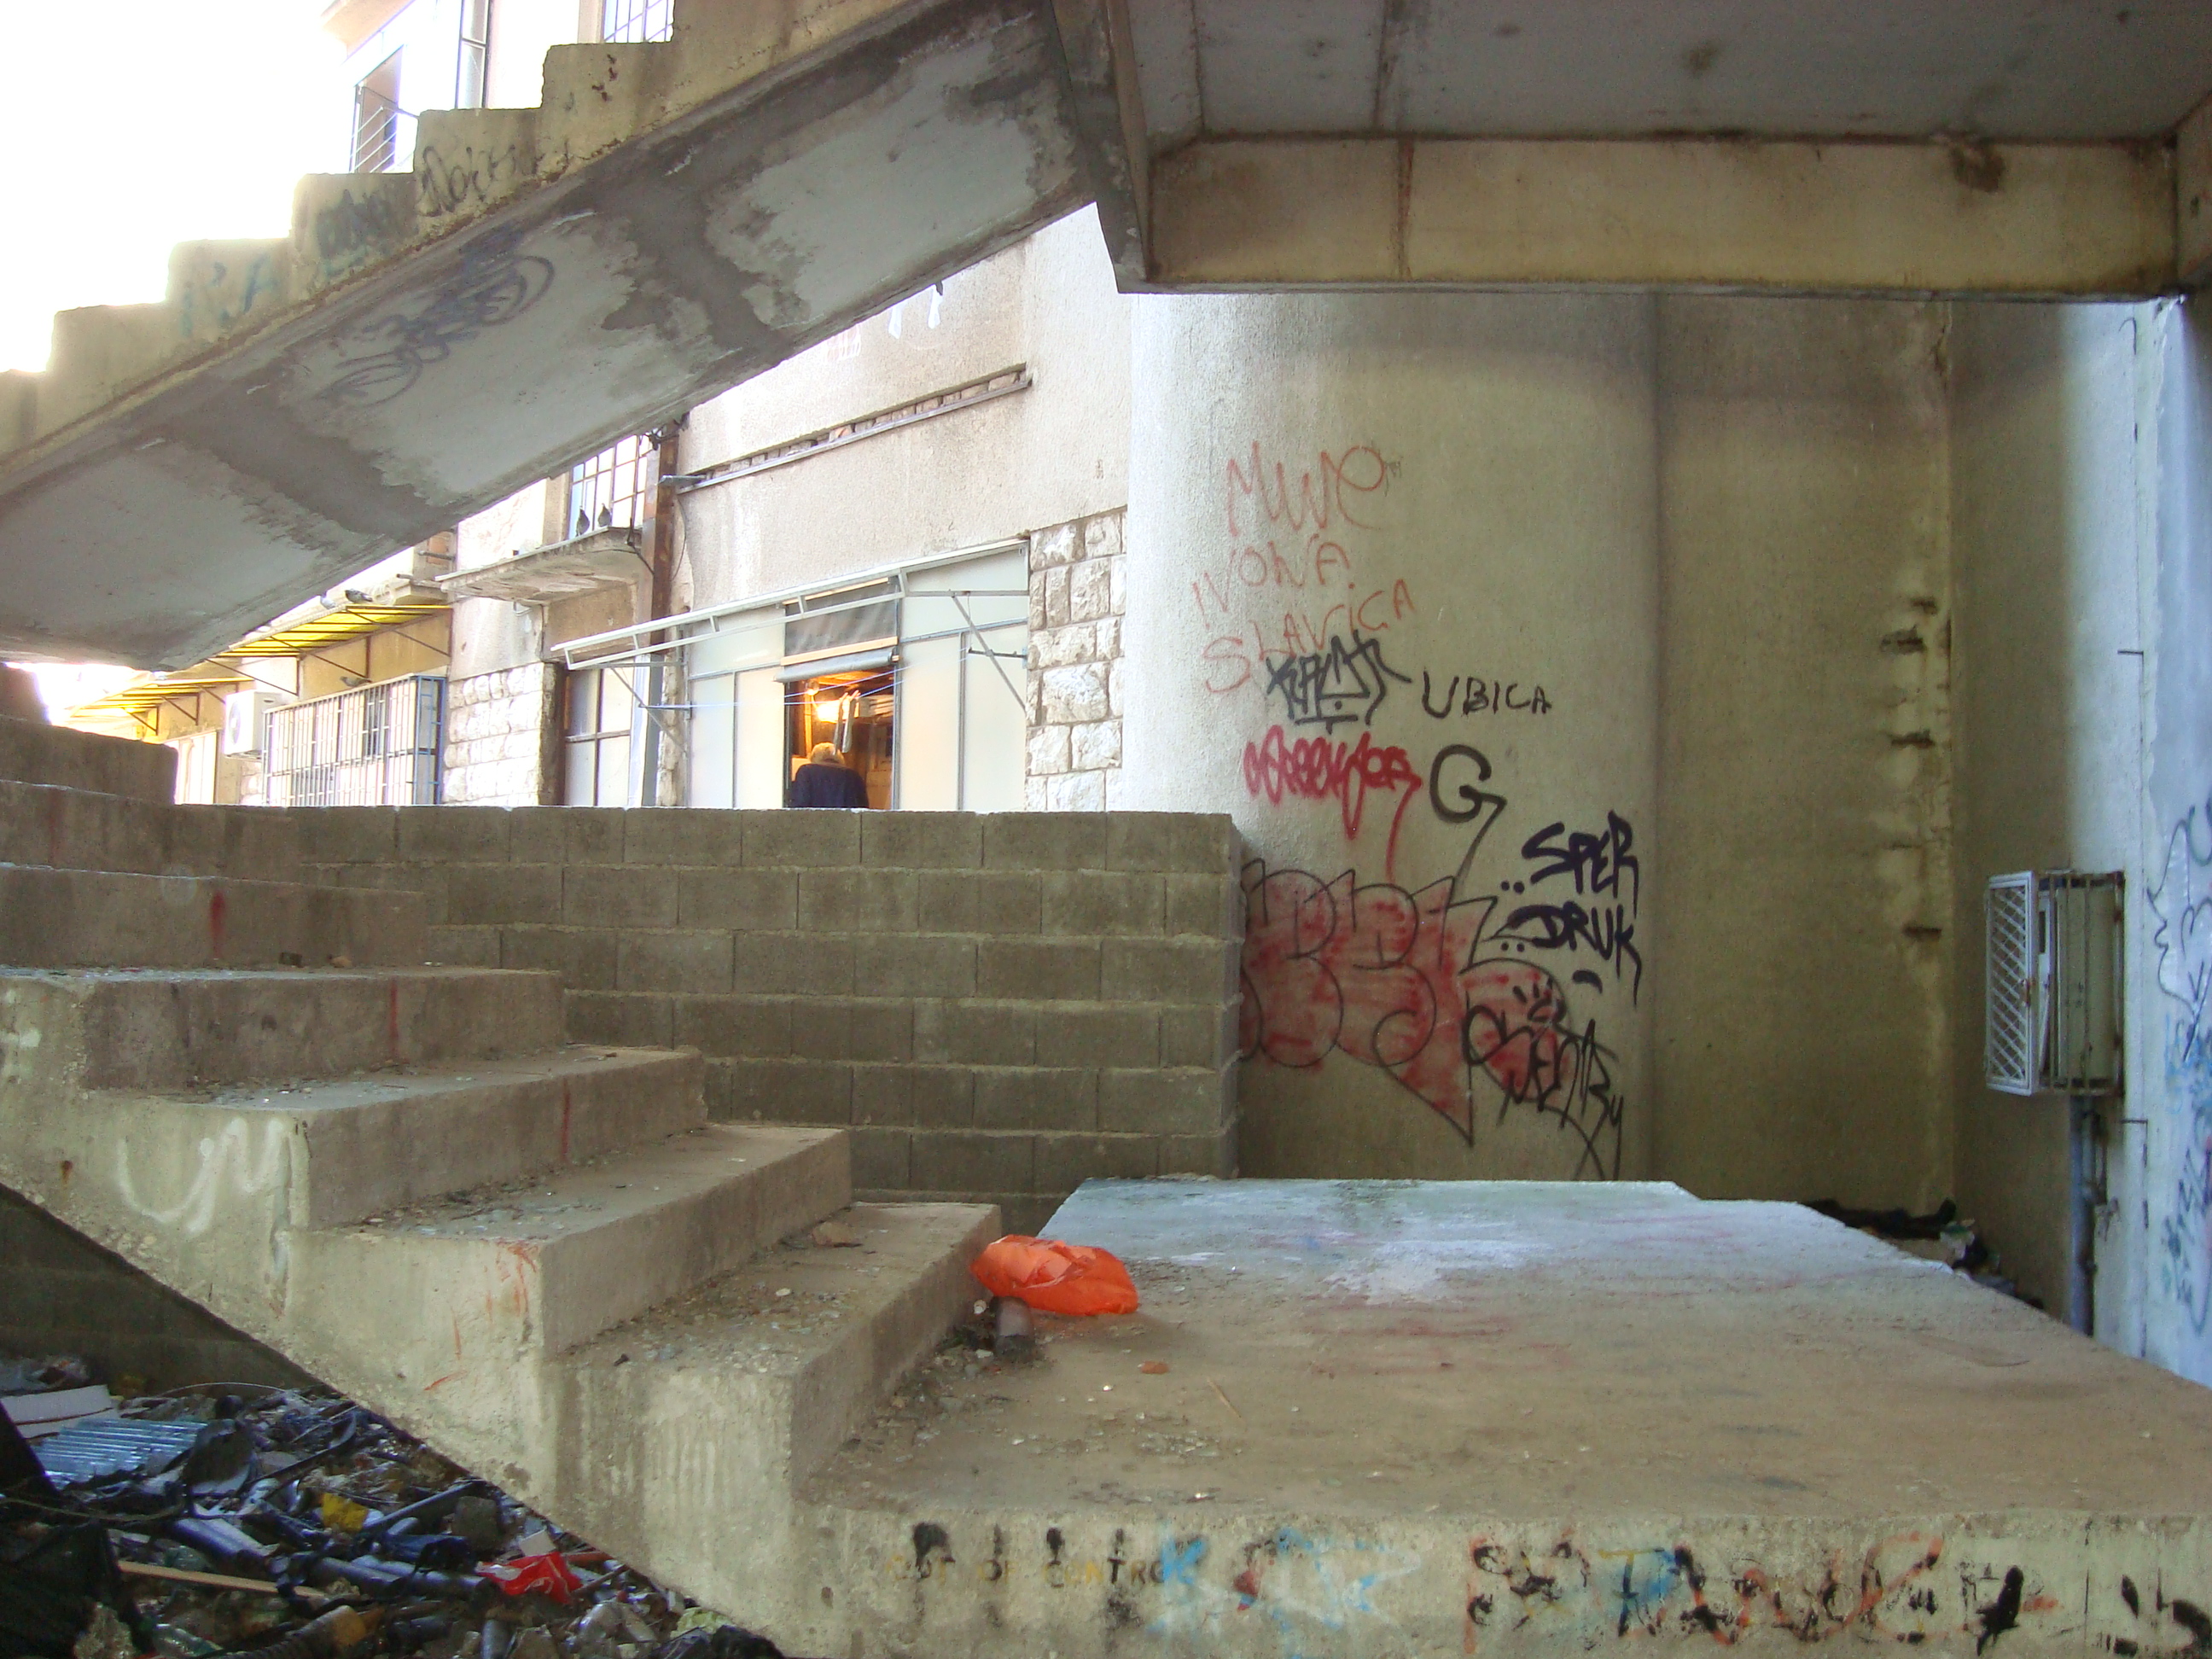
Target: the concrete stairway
pixel 669 220
pixel 541 1257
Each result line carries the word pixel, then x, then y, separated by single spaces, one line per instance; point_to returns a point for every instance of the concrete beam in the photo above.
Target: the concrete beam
pixel 2192 195
pixel 2070 221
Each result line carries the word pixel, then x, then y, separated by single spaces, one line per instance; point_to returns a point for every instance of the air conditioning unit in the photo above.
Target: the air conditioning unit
pixel 245 718
pixel 2054 1008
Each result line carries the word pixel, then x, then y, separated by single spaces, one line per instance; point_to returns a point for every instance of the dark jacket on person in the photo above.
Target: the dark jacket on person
pixel 825 783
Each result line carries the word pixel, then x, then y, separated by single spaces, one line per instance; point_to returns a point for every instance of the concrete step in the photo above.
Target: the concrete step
pixel 32 752
pixel 75 828
pixel 471 1284
pixel 60 918
pixel 383 1139
pixel 167 1030
pixel 704 1415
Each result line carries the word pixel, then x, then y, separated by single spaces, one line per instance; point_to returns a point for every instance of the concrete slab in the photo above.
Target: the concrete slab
pixel 1401 1418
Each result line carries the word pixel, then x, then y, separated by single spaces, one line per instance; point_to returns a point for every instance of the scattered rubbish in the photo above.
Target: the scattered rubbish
pixel 834 1236
pixel 50 1412
pixel 1016 1332
pixel 1154 1368
pixel 1054 1277
pixel 1940 1236
pixel 291 1524
pixel 113 1446
pixel 1226 1400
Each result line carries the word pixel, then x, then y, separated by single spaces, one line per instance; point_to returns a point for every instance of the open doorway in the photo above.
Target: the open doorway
pixel 852 712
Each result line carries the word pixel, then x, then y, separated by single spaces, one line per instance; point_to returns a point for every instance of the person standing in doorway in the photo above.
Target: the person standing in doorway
pixel 824 781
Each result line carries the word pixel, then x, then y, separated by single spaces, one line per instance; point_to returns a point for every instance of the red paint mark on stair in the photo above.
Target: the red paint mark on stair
pixel 218 919
pixel 564 1123
pixel 441 1381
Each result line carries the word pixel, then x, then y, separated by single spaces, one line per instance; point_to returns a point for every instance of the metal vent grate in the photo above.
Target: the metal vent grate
pixel 2008 1053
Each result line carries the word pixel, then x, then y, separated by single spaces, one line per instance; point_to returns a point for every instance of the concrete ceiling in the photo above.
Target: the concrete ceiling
pixel 2003 70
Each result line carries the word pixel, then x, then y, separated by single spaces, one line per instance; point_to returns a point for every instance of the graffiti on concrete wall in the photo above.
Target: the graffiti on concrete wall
pixel 2181 906
pixel 1452 990
pixel 1302 1591
pixel 1458 983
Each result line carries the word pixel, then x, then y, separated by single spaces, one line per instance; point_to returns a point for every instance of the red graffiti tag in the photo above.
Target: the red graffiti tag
pixel 1393 979
pixel 1315 768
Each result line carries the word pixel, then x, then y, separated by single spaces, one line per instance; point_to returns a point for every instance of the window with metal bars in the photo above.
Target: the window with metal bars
pixel 609 491
pixel 470 82
pixel 383 133
pixel 636 20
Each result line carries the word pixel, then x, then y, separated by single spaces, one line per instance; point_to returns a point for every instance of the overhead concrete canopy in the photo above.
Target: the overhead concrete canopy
pixel 1582 69
pixel 673 218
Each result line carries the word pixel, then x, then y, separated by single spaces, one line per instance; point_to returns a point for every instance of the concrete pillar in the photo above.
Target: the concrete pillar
pixel 1393 604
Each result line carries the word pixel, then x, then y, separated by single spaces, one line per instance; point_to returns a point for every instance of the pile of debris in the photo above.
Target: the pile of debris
pixel 293 1524
pixel 1940 1235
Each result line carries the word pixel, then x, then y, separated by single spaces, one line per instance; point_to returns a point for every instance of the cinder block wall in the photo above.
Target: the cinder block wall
pixel 998 1006
pixel 60 1293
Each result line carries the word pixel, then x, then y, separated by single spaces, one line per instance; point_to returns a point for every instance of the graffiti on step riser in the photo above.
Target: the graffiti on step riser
pixel 1302 1590
pixel 2181 909
pixel 1450 987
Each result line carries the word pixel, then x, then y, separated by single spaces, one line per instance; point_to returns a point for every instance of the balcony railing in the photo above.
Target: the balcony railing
pixel 377 745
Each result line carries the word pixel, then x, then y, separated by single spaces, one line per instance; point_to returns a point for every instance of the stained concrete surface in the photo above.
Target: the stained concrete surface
pixel 1441 1415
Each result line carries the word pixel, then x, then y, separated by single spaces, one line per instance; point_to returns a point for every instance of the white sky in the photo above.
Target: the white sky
pixel 150 122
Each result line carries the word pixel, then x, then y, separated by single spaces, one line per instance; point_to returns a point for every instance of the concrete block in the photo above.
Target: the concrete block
pixel 257 842
pixel 1075 792
pixel 745 1026
pixel 1061 544
pixel 620 1018
pixel 794 964
pixel 588 835
pixel 1051 969
pixel 1065 1162
pixel 538 834
pixel 453 835
pixel 1103 1034
pixel 1163 1102
pixel 699 837
pixel 1200 1035
pixel 52 918
pixel 501 894
pixel 715 1089
pixel 585 957
pixel 1184 843
pixel 914 965
pixel 1102 902
pixel 1036 1097
pixel 981 902
pixel 1048 752
pixel 881 1157
pixel 883 1096
pixel 753 899
pixel 346 835
pixel 697 962
pixel 921 841
pixel 1097 746
pixel 1090 591
pixel 1044 841
pixel 1210 907
pixel 864 901
pixel 462 947
pixel 791 1091
pixel 837 1028
pixel 622 895
pixel 941 1097
pixel 32 751
pixel 1212 1155
pixel 971 1161
pixel 975 1033
pixel 804 839
pixel 1168 970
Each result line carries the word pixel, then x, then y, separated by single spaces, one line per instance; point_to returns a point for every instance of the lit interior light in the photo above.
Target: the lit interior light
pixel 826 712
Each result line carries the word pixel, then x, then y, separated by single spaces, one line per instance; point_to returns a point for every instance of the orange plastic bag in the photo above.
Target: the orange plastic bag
pixel 1055 1277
